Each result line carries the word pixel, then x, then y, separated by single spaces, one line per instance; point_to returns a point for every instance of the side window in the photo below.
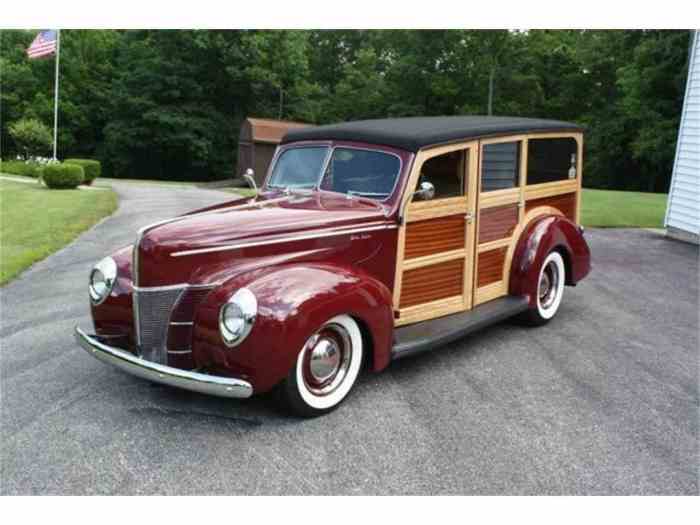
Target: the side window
pixel 550 160
pixel 446 174
pixel 500 166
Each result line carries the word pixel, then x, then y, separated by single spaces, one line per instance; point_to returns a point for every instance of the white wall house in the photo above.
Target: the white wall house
pixel 683 209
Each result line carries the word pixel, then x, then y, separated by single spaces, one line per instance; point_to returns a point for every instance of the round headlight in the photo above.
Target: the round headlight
pixel 237 316
pixel 102 279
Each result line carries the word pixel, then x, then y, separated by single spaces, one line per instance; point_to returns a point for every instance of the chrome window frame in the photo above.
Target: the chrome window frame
pixel 331 150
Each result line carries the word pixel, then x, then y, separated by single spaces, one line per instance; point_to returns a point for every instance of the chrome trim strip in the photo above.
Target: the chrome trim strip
pixel 167 375
pixel 282 240
pixel 174 287
pixel 181 323
pixel 179 351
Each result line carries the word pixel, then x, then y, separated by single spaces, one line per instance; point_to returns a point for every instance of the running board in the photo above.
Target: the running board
pixel 427 335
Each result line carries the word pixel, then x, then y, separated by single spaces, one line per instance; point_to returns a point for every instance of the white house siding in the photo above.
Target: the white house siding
pixel 683 209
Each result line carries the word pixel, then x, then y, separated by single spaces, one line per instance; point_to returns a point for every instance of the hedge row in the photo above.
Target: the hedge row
pixel 70 174
pixel 19 167
pixel 92 168
pixel 63 176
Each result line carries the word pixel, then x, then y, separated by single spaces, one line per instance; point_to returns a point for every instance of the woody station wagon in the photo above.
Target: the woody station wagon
pixel 368 241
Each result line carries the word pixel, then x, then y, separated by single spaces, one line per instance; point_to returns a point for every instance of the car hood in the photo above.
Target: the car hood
pixel 172 252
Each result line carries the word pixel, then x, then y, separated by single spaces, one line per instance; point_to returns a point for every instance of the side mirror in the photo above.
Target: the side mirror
pixel 250 179
pixel 426 191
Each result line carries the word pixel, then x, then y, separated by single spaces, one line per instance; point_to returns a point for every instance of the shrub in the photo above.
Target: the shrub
pixel 92 168
pixel 20 167
pixel 31 136
pixel 63 176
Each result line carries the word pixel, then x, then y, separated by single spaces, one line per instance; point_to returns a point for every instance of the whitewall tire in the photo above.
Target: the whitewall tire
pixel 326 368
pixel 550 290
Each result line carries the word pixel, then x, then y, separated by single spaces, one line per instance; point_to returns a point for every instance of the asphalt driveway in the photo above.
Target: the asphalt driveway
pixel 603 400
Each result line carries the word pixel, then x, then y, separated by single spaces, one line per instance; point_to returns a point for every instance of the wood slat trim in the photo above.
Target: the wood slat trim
pixel 491 199
pixel 491 292
pixel 422 312
pixel 500 243
pixel 498 222
pixel 418 262
pixel 434 236
pixel 566 204
pixel 423 210
pixel 547 189
pixel 430 283
pixel 490 266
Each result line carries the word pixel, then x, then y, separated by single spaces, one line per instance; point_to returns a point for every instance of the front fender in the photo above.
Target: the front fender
pixel 538 239
pixel 293 302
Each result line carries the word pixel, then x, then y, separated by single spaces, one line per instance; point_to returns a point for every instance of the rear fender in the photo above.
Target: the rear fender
pixel 294 300
pixel 538 239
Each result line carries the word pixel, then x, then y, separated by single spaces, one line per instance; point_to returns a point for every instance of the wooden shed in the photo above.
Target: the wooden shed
pixel 257 142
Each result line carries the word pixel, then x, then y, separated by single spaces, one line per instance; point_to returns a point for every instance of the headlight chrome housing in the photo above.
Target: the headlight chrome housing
pixel 237 316
pixel 102 279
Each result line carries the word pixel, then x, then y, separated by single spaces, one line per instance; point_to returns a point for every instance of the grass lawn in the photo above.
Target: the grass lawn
pixel 36 221
pixel 619 209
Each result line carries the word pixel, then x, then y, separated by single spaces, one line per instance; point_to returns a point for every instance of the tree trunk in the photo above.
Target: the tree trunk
pixel 492 75
pixel 281 103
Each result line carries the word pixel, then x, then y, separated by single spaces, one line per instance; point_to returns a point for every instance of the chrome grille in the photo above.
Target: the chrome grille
pixel 152 309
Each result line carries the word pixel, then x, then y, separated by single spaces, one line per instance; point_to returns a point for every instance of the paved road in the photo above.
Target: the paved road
pixel 604 400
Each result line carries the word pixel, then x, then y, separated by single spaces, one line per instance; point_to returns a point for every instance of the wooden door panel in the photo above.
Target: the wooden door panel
pixel 498 222
pixel 432 236
pixel 566 204
pixel 490 266
pixel 430 283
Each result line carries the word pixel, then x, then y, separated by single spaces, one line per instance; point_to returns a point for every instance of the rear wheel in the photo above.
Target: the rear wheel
pixel 550 290
pixel 326 368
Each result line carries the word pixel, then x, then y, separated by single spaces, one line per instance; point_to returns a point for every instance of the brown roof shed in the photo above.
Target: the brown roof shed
pixel 257 142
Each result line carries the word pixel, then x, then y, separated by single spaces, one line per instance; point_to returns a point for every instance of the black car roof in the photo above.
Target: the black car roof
pixel 414 133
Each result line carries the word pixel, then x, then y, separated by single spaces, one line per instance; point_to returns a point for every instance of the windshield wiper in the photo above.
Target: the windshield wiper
pixel 350 193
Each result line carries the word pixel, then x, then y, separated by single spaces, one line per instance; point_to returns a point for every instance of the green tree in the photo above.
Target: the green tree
pixel 652 86
pixel 32 137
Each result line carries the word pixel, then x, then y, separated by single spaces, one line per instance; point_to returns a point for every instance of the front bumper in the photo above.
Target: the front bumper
pixel 194 381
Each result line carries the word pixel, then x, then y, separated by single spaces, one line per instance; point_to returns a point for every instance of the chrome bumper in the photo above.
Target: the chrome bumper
pixel 194 381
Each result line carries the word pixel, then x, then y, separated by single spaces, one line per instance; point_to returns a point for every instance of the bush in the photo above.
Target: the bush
pixel 92 168
pixel 63 176
pixel 31 136
pixel 20 167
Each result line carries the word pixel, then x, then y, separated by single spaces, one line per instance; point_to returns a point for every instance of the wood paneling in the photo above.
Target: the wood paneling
pixel 497 223
pixel 434 236
pixel 422 210
pixel 430 283
pixel 421 312
pixel 564 203
pixel 490 266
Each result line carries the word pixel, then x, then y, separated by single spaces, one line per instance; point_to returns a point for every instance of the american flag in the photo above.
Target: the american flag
pixel 43 45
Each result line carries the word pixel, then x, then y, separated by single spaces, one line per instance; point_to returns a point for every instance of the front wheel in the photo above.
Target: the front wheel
pixel 326 368
pixel 550 290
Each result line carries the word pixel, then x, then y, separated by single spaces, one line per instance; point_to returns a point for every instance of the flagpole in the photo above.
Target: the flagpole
pixel 55 99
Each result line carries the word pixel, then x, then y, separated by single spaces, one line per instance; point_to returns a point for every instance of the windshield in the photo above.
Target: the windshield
pixel 298 168
pixel 361 172
pixel 351 171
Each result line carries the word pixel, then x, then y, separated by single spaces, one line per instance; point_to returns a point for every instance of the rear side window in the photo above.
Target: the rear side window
pixel 500 166
pixel 550 160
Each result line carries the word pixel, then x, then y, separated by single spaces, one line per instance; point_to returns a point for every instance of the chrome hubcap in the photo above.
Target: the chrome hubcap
pixel 549 284
pixel 327 357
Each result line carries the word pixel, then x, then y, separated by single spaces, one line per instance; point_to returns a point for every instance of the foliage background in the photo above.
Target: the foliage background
pixel 169 104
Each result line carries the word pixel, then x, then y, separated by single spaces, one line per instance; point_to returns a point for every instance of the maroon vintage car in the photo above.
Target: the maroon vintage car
pixel 369 241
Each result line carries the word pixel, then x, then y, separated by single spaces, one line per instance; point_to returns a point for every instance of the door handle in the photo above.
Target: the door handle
pixel 469 217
